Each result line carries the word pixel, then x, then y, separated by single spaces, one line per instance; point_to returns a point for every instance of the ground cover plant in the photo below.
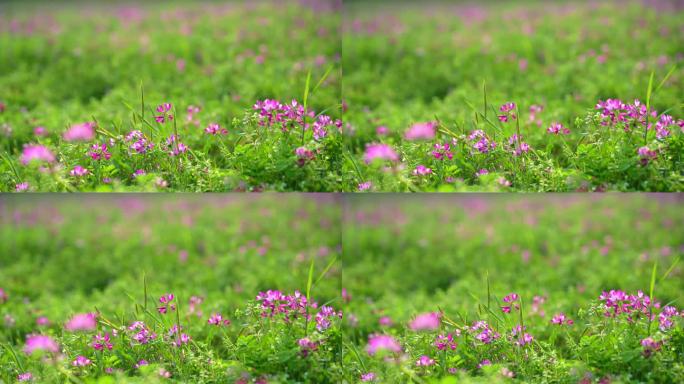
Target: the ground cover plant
pixel 175 96
pixel 144 289
pixel 513 96
pixel 447 289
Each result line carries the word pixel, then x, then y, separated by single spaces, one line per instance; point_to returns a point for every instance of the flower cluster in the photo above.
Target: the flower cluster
pixel 557 129
pixel 443 342
pixel 274 302
pixel 215 129
pixel 483 332
pixel 140 333
pixel 99 152
pixel 508 112
pixel 218 320
pixel 520 337
pixel 324 316
pixel 164 111
pixel 165 301
pixel 138 142
pixel 561 319
pixel 481 142
pixel 629 116
pixel 173 146
pixel 511 300
pixel 442 151
pixel 272 113
pixel 307 346
pixel 102 342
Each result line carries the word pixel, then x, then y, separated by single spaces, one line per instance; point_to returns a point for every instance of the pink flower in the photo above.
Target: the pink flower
pixel 307 346
pixel 22 187
pixel 422 170
pixel 101 342
pixel 215 129
pixel 481 172
pixel 26 376
pixel 40 343
pixel 650 346
pixel 510 298
pixel 560 319
pixel 3 296
pixel 81 322
pixel 39 131
pixel 141 363
pixel 365 186
pixel 42 321
pixel 99 152
pixel 382 343
pixel 217 319
pixel 425 321
pixel 425 361
pixel 142 335
pixel 381 130
pixel 421 131
pixel 507 110
pixel 304 155
pixel 36 152
pixel 646 154
pixel 385 321
pixel 557 128
pixel 379 151
pixel 369 376
pixel 166 300
pixel 443 342
pixel 164 110
pixel 80 132
pixel 78 171
pixel 81 361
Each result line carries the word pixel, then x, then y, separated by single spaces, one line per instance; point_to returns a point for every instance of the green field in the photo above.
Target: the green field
pixel 458 257
pixel 426 86
pixel 115 257
pixel 392 289
pixel 112 65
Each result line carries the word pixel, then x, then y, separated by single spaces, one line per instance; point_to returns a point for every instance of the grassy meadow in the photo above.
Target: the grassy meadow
pixel 513 96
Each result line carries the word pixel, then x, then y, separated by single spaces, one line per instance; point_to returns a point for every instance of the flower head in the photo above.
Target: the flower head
pixel 80 132
pixel 379 151
pixel 40 343
pixel 81 361
pixel 382 343
pixel 36 152
pixel 79 171
pixel 81 322
pixel 421 131
pixel 425 361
